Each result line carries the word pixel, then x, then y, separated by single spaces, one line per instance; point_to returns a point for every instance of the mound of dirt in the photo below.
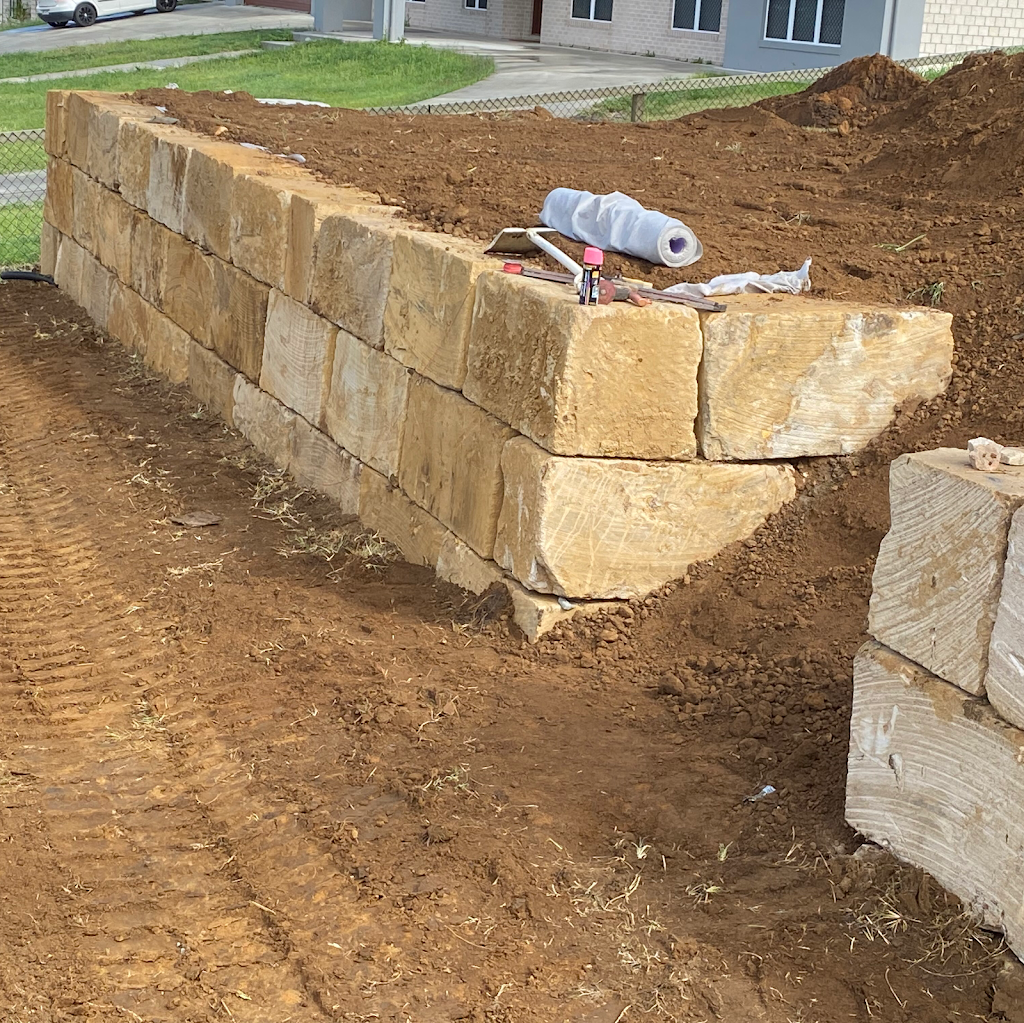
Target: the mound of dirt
pixel 855 93
pixel 961 132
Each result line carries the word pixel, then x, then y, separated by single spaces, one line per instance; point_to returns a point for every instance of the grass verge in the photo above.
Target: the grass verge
pixel 74 58
pixel 20 224
pixel 341 74
pixel 662 106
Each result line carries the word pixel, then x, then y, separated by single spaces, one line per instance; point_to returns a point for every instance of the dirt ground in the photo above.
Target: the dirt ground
pixel 241 781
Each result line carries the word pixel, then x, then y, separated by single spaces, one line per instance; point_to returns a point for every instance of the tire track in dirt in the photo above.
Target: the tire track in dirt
pixel 79 672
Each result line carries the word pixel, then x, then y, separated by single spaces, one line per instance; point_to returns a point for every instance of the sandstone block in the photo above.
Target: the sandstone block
pixel 588 527
pixel 260 207
pixel 212 381
pixel 937 778
pixel 104 130
pixel 188 289
pixel 164 346
pixel 352 274
pixel 311 202
pixel 135 142
pixel 103 224
pixel 237 317
pixel 67 270
pixel 386 510
pixel 430 305
pixel 451 462
pixel 168 163
pixel 209 183
pixel 150 245
pixel 459 564
pixel 940 567
pixel 55 141
pixel 77 124
pixel 49 242
pixel 59 204
pixel 84 279
pixel 578 380
pixel 298 356
pixel 365 410
pixel 319 464
pixel 85 203
pixel 785 376
pixel 264 422
pixel 1004 681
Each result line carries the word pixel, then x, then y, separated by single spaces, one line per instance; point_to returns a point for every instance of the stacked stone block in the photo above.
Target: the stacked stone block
pixel 487 424
pixel 936 764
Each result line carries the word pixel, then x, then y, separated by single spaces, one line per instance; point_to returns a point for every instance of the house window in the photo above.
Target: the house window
pixel 698 15
pixel 476 5
pixel 592 10
pixel 806 21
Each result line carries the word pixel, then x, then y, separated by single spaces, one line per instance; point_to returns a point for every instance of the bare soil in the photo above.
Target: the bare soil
pixel 241 781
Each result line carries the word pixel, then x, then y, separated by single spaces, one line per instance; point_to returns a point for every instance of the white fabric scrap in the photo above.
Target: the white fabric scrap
pixel 618 223
pixel 293 102
pixel 790 282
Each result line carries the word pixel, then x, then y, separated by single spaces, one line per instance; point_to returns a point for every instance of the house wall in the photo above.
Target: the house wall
pixel 951 27
pixel 503 19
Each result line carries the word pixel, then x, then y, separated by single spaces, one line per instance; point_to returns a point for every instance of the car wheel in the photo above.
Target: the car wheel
pixel 85 15
pixel 58 24
pixel 166 6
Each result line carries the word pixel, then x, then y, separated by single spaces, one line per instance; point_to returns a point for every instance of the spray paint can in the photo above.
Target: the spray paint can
pixel 590 286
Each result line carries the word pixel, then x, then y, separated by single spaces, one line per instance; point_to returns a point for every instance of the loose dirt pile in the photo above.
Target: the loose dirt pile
pixel 848 96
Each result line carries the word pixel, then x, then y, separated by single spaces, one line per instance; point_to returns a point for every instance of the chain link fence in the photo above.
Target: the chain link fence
pixel 22 189
pixel 23 162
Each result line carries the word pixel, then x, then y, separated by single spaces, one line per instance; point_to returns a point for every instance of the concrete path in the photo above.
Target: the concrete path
pixel 529 69
pixel 27 186
pixel 165 62
pixel 189 19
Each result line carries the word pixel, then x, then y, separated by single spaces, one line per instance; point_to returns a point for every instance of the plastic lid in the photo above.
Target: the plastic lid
pixel 593 255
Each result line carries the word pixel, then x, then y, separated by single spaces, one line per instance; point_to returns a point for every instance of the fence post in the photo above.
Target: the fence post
pixel 636 106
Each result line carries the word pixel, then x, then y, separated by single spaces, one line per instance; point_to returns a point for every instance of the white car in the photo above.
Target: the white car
pixel 58 13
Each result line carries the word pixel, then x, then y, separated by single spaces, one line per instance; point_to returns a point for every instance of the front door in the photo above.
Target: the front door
pixel 538 16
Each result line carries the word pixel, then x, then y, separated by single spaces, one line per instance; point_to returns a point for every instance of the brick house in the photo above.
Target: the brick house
pixel 754 35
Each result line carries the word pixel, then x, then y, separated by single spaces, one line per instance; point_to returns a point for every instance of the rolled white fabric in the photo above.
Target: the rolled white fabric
pixel 619 223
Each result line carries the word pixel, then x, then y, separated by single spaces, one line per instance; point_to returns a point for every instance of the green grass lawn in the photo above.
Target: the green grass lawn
pixel 660 106
pixel 19 233
pixel 341 74
pixel 73 58
pixel 6 26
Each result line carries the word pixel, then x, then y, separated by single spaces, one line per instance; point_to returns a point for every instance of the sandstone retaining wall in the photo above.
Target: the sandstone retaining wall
pixel 487 424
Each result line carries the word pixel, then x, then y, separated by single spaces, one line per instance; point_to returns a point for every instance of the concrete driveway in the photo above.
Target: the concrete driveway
pixel 189 19
pixel 25 186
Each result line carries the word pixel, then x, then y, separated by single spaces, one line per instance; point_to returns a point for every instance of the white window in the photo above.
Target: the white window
pixel 806 21
pixel 476 5
pixel 698 15
pixel 592 10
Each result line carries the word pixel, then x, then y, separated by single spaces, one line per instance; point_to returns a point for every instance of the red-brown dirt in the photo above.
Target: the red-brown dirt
pixel 240 781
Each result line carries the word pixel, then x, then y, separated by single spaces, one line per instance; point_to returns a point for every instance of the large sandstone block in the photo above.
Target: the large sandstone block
pixel 451 462
pixel 589 527
pixel 150 245
pixel 92 127
pixel 459 564
pixel 940 567
pixel 59 204
pixel 389 512
pixel 1005 679
pixel 365 410
pixel 135 142
pixel 312 202
pixel 320 465
pixel 430 305
pixel 578 380
pixel 163 345
pixel 260 207
pixel 237 317
pixel 168 163
pixel 84 279
pixel 212 381
pixel 785 376
pixel 188 288
pixel 55 140
pixel 209 183
pixel 298 356
pixel 103 224
pixel 77 126
pixel 85 203
pixel 938 779
pixel 49 242
pixel 352 275
pixel 264 422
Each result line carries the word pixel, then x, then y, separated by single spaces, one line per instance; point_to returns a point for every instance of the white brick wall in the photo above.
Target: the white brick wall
pixel 950 27
pixel 506 19
pixel 637 26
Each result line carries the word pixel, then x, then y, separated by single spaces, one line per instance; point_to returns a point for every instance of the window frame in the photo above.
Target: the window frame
pixel 696 20
pixel 592 20
pixel 788 38
pixel 473 5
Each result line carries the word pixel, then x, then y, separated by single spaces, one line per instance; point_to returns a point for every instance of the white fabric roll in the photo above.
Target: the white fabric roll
pixel 619 223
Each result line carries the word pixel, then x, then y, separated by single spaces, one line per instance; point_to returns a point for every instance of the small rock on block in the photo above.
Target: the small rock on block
pixel 940 566
pixel 937 778
pixel 606 528
pixel 1012 456
pixel 1004 681
pixel 983 454
pixel 785 376
pixel 612 380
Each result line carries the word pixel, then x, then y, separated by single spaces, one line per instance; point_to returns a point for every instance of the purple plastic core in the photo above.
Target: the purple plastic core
pixel 677 245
